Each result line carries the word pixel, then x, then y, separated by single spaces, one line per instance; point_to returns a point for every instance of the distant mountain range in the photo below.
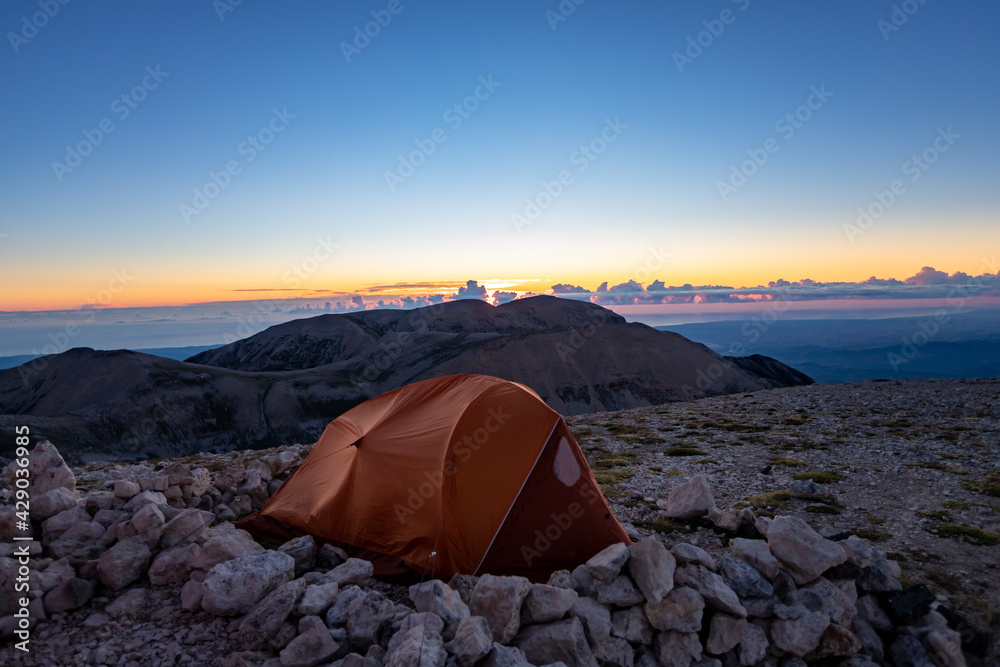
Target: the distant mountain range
pixel 956 345
pixel 287 382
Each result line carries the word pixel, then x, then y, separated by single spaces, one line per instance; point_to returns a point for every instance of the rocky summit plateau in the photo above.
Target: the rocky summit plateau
pixel 848 525
pixel 286 383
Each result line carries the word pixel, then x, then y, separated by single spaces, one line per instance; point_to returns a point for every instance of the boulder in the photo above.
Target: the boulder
pixel 52 502
pixel 317 598
pixel 282 461
pixel 619 592
pixel 607 564
pixel 146 524
pixel 123 563
pixel 308 649
pixel 473 640
pixel 186 528
pixel 905 607
pixel 944 647
pixel 595 617
pixel 584 582
pixel 797 630
pixel 562 641
pixel 329 557
pixel 178 474
pixel 801 549
pixel 614 652
pixel 202 480
pixel 711 587
pixel 158 483
pixel 868 608
pixel 267 616
pixel 224 545
pixel 757 554
pixel 191 594
pixel 690 500
pixel 336 615
pixel 806 489
pixel 56 573
pixel 303 550
pixel 369 619
pixel 143 499
pixel 126 488
pixel 833 601
pixel 503 656
pixel 46 470
pixel 907 651
pixel 99 500
pixel 59 523
pixel 680 611
pixel 353 571
pixel 131 604
pixel 632 625
pixel 418 647
pixel 173 566
pixel 437 597
pixel 689 553
pixel 732 520
pixel 235 586
pixel 431 622
pixel 499 600
pixel 71 594
pixel 546 603
pixel 652 568
pixel 753 645
pixel 84 531
pixel 463 585
pixel 677 648
pixel 106 517
pixel 724 634
pixel 837 641
pixel 745 581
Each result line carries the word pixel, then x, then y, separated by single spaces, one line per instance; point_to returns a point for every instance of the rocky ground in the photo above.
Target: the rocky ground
pixel 913 466
pixel 139 564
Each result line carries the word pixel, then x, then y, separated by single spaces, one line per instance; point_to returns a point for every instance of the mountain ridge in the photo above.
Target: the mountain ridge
pixel 286 383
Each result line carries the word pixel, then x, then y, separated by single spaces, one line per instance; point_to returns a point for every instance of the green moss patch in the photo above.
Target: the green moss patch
pixel 969 534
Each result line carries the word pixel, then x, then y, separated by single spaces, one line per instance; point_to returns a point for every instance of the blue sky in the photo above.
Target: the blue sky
pixel 323 175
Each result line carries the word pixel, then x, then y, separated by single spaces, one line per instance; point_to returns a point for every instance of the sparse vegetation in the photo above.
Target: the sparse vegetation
pixel 609 477
pixel 987 487
pixel 936 465
pixel 682 450
pixel 969 534
pixel 937 515
pixel 774 499
pixel 875 520
pixel 662 526
pixel 820 476
pixel 821 508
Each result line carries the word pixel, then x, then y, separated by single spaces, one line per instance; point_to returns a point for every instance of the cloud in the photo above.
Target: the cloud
pixel 927 283
pixel 928 276
pixel 503 297
pixel 472 290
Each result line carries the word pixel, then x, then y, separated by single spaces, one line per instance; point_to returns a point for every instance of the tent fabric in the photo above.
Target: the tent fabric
pixel 458 474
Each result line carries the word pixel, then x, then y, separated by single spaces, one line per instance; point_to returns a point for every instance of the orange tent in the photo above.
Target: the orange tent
pixel 459 474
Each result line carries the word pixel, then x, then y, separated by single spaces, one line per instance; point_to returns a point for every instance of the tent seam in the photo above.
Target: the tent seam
pixel 519 491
